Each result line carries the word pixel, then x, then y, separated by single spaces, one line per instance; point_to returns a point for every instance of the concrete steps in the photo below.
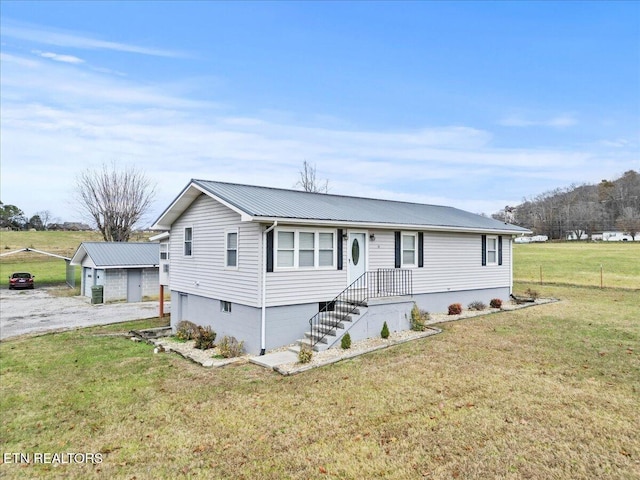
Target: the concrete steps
pixel 331 326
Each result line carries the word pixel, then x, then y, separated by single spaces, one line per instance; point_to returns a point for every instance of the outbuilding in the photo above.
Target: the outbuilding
pixel 126 271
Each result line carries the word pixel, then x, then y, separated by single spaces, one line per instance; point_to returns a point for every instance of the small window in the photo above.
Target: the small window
pixel 409 251
pixel 165 268
pixel 164 251
pixel 225 306
pixel 231 249
pixel 188 241
pixel 492 250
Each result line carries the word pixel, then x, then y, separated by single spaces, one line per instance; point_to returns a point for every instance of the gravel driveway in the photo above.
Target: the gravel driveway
pixel 37 311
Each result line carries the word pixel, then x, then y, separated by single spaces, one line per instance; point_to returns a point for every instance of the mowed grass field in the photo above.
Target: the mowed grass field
pixel 616 264
pixel 547 392
pixel 47 270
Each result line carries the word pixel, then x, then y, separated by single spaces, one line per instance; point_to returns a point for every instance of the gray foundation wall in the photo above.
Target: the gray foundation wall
pixel 439 302
pixel 284 325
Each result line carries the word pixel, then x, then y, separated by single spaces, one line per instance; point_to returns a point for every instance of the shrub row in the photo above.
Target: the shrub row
pixel 205 337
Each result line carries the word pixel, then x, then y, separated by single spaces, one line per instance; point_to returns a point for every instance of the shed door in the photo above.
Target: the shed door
pixel 134 285
pixel 87 280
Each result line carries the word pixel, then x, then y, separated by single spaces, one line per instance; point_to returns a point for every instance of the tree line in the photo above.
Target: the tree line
pixel 581 210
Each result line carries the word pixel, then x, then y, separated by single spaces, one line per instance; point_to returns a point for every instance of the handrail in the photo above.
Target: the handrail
pixel 384 282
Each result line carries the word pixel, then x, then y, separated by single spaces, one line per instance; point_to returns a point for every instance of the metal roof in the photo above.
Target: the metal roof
pixel 118 254
pixel 257 203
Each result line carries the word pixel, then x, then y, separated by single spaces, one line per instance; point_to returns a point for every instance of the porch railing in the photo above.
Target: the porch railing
pixel 384 282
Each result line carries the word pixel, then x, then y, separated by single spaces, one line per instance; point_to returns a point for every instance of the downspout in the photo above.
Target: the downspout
pixel 511 265
pixel 263 324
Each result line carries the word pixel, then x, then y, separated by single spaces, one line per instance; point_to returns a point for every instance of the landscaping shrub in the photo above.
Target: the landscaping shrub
pixel 495 303
pixel 455 309
pixel 346 341
pixel 419 319
pixel 385 331
pixel 305 354
pixel 230 347
pixel 477 305
pixel 186 330
pixel 205 338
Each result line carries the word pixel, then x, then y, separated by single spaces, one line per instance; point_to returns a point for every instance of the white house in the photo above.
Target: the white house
pixel 127 271
pixel 272 266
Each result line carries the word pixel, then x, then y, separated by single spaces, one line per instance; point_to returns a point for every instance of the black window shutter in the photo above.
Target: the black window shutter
pixel 484 250
pixel 340 250
pixel 420 249
pixel 270 251
pixel 500 250
pixel 398 249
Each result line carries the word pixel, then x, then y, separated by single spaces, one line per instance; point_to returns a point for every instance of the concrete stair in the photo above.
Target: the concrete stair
pixel 331 326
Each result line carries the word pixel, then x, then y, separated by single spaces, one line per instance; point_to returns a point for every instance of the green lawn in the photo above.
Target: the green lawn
pixel 546 392
pixel 579 263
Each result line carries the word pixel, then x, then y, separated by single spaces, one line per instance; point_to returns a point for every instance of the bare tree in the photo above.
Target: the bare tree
pixel 114 200
pixel 629 221
pixel 45 217
pixel 308 181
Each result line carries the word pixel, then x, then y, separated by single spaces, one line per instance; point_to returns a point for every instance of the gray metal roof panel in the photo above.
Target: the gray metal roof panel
pixel 111 254
pixel 271 202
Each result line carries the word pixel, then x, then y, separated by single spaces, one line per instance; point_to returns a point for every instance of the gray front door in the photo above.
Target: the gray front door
pixel 134 285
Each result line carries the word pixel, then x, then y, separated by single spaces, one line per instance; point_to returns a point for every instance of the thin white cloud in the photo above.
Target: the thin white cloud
pixel 59 58
pixel 46 36
pixel 558 121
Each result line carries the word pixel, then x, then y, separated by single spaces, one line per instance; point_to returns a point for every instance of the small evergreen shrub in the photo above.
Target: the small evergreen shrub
pixel 186 330
pixel 455 309
pixel 345 343
pixel 230 347
pixel 477 305
pixel 495 303
pixel 419 319
pixel 385 331
pixel 205 338
pixel 305 354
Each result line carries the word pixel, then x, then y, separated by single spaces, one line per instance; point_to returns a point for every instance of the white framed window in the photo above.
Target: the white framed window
pixel 305 249
pixel 164 251
pixel 409 249
pixel 225 307
pixel 231 249
pixel 188 241
pixel 492 250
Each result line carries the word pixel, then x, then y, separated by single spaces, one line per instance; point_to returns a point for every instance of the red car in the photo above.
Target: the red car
pixel 21 280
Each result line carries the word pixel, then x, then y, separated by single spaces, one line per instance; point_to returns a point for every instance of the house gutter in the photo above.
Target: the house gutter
pixel 263 323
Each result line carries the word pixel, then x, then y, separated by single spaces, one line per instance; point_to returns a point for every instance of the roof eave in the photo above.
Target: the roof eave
pixel 185 199
pixel 387 226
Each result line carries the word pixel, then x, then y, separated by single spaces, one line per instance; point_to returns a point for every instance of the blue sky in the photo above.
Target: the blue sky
pixel 469 104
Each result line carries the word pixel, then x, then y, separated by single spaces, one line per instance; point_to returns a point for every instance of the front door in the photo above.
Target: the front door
pixel 357 255
pixel 134 285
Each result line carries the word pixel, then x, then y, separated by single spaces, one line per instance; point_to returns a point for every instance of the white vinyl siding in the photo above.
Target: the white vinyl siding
pixel 208 276
pixel 451 262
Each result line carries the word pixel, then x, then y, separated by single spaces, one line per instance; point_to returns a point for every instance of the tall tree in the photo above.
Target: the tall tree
pixel 115 200
pixel 629 221
pixel 12 217
pixel 308 180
